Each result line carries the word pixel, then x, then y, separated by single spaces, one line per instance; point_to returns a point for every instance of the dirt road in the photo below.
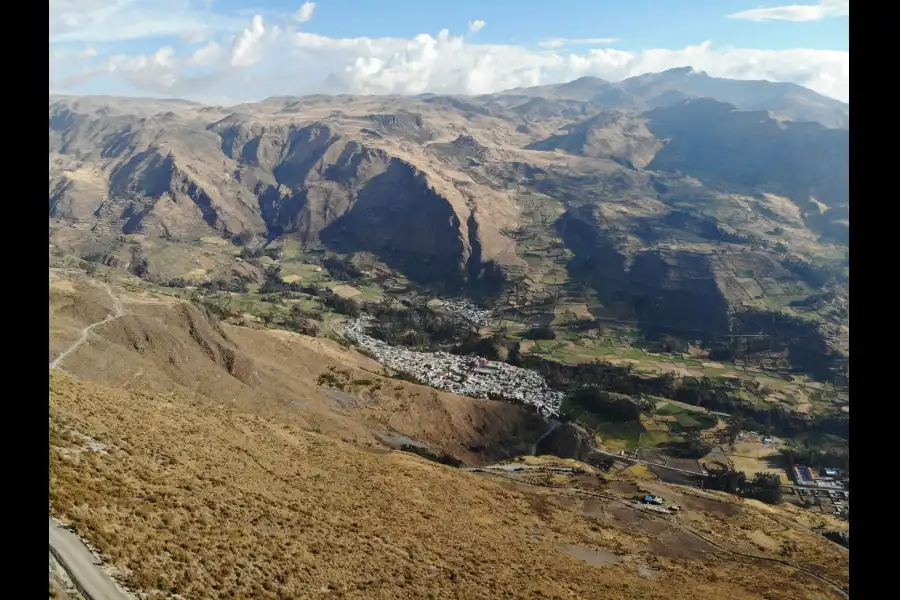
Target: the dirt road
pixel 638 461
pixel 117 307
pixel 68 549
pixel 82 566
pixel 553 425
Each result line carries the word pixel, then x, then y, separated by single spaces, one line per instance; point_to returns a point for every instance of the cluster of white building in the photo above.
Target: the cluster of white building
pixel 464 375
pixel 465 310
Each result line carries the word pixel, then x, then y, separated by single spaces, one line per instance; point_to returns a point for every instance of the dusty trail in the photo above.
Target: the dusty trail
pixel 119 311
pixel 553 425
pixel 638 461
pixel 68 549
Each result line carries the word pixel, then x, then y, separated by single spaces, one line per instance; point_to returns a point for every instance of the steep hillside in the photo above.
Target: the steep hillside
pixel 166 345
pixel 183 176
pixel 615 135
pixel 195 498
pixel 720 144
pixel 572 195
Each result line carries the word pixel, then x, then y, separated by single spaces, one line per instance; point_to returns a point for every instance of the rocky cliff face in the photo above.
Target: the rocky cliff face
pixel 180 177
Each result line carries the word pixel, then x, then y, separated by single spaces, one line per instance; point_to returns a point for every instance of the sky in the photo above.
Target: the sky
pixel 227 51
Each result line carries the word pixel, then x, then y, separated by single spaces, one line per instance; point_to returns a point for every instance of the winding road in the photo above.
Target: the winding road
pixel 78 561
pixel 119 311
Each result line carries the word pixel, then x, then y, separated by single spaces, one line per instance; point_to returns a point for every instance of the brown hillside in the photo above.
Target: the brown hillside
pixel 184 496
pixel 165 345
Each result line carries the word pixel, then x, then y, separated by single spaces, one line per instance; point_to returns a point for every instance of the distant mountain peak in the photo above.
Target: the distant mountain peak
pixel 587 79
pixel 683 71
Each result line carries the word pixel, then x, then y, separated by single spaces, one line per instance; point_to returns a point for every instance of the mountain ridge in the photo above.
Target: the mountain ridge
pixel 445 191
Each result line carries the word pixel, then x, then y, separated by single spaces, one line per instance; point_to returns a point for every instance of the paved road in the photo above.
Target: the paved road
pixel 82 565
pixel 117 307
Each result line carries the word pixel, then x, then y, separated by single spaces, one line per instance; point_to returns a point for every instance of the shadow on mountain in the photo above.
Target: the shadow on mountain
pixel 799 340
pixel 717 143
pixel 400 219
pixel 674 295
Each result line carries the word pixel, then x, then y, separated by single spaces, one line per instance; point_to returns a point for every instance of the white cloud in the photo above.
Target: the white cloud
pixel 285 61
pixel 157 72
pixel 797 12
pixel 207 55
pixel 245 50
pixel 67 54
pixel 476 25
pixel 560 42
pixel 95 21
pixel 305 13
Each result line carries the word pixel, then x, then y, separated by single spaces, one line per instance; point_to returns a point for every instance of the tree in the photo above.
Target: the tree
pixel 734 429
pixel 673 344
pixel 248 253
pixel 696 447
pixel 140 268
pixel 766 487
pixel 515 355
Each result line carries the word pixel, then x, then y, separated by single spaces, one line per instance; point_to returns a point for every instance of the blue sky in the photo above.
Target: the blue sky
pixel 231 50
pixel 638 23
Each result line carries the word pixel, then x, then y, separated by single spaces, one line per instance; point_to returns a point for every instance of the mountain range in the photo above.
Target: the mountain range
pixel 655 170
pixel 654 90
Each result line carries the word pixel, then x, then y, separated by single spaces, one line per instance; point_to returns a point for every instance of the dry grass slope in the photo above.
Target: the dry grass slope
pixel 186 497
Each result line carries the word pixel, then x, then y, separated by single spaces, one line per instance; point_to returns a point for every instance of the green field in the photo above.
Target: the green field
pixel 620 436
pixel 686 419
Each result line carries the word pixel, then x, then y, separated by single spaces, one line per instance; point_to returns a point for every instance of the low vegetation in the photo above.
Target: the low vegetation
pixel 213 503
